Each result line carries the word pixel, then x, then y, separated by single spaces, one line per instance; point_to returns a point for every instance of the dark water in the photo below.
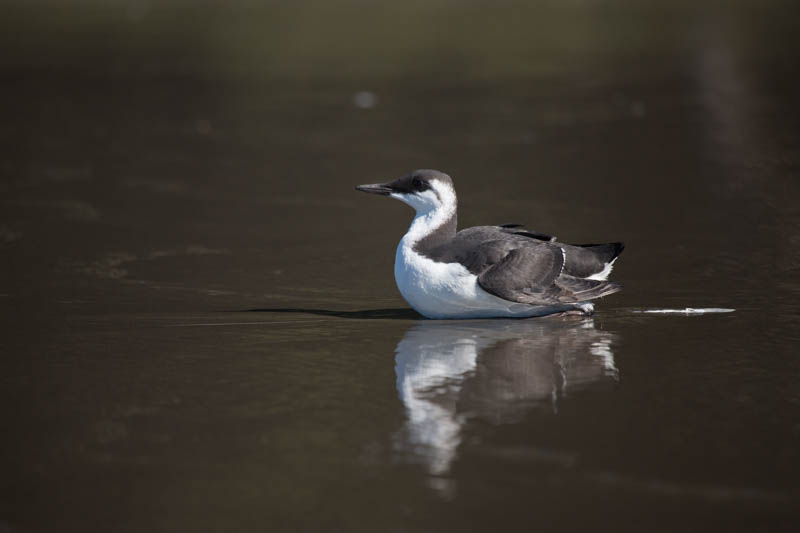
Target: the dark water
pixel 200 329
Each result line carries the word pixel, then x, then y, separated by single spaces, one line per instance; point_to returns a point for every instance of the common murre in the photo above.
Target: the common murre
pixel 488 271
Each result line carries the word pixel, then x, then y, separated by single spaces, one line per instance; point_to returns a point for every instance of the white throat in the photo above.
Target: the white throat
pixel 434 207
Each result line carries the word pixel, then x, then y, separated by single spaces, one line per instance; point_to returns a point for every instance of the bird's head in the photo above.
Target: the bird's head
pixel 425 190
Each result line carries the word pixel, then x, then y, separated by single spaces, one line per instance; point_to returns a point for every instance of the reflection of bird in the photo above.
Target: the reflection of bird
pixel 488 271
pixel 448 372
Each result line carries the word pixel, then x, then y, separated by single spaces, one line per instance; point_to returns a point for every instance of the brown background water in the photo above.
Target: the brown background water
pixel 168 168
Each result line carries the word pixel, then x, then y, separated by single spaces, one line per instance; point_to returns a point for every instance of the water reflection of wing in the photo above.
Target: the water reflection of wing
pixel 491 369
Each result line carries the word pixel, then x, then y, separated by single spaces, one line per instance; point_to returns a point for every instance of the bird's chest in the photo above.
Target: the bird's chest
pixel 431 287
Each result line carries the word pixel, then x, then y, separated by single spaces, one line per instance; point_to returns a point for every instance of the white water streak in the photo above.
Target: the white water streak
pixel 686 311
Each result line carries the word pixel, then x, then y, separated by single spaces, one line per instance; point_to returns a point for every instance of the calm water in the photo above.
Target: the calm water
pixel 200 329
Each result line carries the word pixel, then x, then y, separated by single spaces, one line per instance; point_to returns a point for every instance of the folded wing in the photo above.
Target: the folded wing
pixel 538 275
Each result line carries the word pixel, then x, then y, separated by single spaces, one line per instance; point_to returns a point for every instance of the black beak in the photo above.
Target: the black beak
pixel 375 188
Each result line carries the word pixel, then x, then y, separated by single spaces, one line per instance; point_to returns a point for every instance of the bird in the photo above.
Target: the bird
pixel 502 271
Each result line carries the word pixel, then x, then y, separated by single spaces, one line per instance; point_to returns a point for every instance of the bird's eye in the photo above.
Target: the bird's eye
pixel 416 183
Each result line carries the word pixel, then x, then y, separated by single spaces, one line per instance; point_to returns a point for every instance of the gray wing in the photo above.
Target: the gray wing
pixel 583 260
pixel 532 270
pixel 526 273
pixel 482 246
pixel 535 275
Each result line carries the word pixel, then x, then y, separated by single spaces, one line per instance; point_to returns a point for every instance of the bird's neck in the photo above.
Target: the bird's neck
pixel 433 228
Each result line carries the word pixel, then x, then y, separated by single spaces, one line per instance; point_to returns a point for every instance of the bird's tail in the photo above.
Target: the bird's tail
pixel 579 290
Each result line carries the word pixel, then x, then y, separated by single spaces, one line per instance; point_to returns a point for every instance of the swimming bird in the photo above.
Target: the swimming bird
pixel 488 271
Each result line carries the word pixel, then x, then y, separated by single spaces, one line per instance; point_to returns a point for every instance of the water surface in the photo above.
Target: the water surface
pixel 200 327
